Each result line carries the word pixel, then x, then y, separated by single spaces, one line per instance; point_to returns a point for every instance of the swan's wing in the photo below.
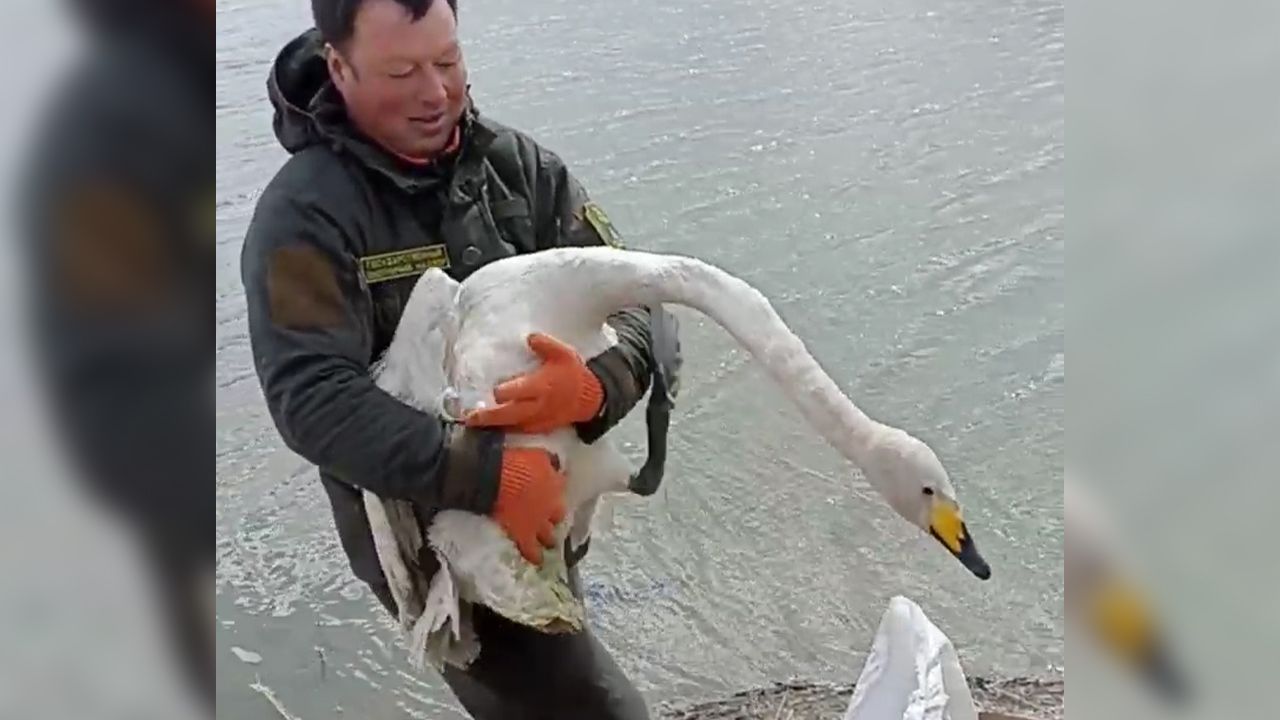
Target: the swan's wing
pixel 397 540
pixel 413 370
pixel 415 366
pixel 443 634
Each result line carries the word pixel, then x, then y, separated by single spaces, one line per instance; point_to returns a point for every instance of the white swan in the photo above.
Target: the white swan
pixel 455 342
pixel 1104 597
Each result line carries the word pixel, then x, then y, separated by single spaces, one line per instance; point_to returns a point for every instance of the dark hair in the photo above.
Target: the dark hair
pixel 336 19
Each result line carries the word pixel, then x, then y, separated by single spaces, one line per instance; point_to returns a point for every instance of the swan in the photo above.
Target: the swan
pixel 457 341
pixel 1104 597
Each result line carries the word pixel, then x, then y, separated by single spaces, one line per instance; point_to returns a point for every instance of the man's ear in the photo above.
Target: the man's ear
pixel 339 71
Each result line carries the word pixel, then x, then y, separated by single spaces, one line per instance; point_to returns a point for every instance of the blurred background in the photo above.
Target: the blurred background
pixel 1175 394
pixel 106 141
pixel 893 176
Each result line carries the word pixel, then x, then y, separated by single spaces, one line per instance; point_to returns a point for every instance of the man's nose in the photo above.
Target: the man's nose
pixel 433 91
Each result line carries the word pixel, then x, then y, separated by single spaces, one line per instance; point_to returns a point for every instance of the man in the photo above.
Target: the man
pixel 394 171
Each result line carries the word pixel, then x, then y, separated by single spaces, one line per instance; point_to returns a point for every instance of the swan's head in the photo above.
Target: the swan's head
pixel 911 478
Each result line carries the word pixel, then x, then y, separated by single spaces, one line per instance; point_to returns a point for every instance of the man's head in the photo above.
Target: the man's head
pixel 399 68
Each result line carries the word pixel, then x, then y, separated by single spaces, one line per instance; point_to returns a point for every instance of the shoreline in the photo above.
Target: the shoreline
pixel 1032 698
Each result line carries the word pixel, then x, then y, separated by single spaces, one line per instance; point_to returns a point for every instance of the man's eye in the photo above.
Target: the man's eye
pixel 401 74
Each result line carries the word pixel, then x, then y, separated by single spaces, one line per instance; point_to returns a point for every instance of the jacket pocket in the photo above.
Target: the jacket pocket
pixel 514 223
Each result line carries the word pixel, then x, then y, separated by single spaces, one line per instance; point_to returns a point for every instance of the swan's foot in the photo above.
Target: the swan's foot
pixel 594 517
pixel 580 531
pixel 665 385
pixel 594 472
pixel 488 570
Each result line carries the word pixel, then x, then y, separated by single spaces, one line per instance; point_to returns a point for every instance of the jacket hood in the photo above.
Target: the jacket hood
pixel 297 89
pixel 121 14
pixel 183 29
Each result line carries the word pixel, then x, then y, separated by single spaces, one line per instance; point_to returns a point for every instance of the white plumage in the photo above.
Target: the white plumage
pixel 457 341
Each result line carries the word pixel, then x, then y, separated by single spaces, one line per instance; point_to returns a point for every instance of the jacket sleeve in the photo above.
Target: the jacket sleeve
pixel 310 326
pixel 625 370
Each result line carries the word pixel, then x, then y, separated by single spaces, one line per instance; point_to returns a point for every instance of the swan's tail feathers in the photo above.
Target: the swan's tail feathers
pixel 436 624
pixel 443 633
pixel 490 571
pixel 397 538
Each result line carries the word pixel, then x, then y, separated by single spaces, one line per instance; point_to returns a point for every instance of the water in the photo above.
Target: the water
pixel 890 175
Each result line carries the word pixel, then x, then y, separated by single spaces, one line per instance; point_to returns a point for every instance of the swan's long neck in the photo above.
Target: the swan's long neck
pixel 640 278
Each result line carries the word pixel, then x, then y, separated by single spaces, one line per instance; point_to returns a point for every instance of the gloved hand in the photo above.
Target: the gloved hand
pixel 561 392
pixel 530 500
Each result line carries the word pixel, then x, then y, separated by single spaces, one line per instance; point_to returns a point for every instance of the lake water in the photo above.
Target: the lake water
pixel 890 174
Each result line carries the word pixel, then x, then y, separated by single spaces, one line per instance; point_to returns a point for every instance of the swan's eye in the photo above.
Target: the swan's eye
pixel 928 491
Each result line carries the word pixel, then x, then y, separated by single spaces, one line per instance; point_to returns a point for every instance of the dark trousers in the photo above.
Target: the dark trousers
pixel 523 674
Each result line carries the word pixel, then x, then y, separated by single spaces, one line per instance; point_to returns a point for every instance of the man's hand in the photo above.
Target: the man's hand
pixel 561 392
pixel 530 500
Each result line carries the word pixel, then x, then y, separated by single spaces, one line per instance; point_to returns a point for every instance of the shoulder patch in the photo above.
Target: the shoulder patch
pixel 302 289
pixel 595 215
pixel 109 247
pixel 403 263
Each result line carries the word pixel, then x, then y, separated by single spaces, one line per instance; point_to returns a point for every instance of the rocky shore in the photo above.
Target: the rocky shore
pixel 1039 698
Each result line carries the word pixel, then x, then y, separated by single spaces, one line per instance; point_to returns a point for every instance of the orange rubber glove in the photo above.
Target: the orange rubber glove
pixel 561 392
pixel 530 500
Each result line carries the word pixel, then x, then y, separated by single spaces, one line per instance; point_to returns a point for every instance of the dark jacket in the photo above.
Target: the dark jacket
pixel 325 296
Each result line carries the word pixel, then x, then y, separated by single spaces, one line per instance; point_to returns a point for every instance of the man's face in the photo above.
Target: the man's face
pixel 403 81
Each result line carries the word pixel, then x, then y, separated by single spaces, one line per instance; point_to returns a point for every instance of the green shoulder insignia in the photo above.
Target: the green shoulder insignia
pixel 594 214
pixel 403 263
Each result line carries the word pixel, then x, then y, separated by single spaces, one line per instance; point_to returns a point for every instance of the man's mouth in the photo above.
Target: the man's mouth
pixel 429 122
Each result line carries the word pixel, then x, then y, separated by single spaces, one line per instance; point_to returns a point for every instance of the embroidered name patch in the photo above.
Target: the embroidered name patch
pixel 403 263
pixel 594 214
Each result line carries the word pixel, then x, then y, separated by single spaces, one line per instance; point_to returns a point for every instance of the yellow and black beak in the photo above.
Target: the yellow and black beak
pixel 948 527
pixel 1124 625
